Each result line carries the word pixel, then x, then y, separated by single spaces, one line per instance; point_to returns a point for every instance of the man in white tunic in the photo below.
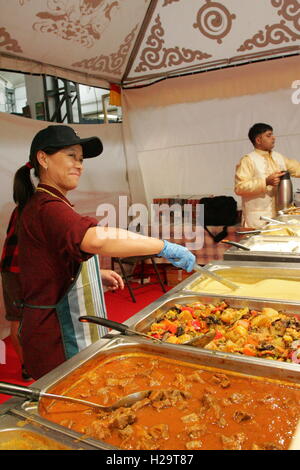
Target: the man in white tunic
pixel 258 175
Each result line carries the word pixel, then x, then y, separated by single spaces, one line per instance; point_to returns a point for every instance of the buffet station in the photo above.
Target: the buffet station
pixel 212 364
pixel 278 240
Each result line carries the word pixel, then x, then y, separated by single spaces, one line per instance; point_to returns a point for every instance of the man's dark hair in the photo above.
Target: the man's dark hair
pixel 257 129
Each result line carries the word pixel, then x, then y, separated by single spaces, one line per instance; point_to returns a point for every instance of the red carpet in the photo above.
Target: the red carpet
pixel 119 308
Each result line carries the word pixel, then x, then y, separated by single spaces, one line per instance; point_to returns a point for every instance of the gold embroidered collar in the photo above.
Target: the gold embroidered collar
pixel 40 188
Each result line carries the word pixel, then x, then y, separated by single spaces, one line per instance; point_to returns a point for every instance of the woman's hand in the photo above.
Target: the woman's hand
pixel 111 280
pixel 178 255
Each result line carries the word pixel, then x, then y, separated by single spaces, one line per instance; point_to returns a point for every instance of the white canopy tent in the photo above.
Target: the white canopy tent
pixel 195 75
pixel 132 42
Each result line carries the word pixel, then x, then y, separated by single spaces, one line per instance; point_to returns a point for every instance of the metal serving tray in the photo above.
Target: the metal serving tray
pixel 122 345
pixel 142 321
pixel 13 428
pixel 264 251
pixel 263 270
pixel 28 410
pixel 287 217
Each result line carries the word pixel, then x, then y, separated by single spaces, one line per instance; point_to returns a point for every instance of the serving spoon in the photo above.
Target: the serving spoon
pixel 198 341
pixel 273 221
pixel 34 394
pixel 238 245
pixel 121 327
pixel 215 276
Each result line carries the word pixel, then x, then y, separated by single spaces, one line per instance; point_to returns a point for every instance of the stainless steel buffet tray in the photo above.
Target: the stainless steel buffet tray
pixel 189 355
pixel 261 270
pixel 142 320
pixel 14 429
pixel 287 217
pixel 266 248
pixel 28 410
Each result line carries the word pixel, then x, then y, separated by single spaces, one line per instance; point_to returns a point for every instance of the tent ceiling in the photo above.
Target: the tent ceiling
pixel 134 42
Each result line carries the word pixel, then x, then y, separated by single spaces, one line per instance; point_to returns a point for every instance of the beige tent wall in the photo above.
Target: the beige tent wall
pixel 184 136
pixel 103 179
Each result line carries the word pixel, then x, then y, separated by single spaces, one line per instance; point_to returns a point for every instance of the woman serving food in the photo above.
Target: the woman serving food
pixel 54 243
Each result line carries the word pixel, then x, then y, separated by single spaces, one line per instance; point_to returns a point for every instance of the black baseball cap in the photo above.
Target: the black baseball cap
pixel 63 136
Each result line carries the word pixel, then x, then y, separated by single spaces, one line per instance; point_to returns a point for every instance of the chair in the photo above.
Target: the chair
pixel 133 261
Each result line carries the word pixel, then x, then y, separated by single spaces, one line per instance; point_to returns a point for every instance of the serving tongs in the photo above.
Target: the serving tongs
pixel 257 232
pixel 197 341
pixel 215 276
pixel 273 221
pixel 34 394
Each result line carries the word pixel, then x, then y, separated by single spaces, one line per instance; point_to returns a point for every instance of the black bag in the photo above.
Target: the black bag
pixel 219 210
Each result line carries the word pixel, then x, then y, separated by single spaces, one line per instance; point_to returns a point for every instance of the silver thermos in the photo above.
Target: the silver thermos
pixel 284 192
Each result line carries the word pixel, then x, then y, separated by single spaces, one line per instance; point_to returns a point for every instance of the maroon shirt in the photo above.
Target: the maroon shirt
pixel 49 257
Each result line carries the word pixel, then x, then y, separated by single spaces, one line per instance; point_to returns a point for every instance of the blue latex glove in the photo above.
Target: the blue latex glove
pixel 178 255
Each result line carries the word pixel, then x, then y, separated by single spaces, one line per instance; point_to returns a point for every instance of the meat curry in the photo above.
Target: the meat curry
pixel 189 406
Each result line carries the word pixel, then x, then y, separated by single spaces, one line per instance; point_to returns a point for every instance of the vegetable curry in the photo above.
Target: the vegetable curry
pixel 265 333
pixel 189 406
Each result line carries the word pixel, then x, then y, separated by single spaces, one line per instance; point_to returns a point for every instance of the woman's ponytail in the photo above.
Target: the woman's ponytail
pixel 23 187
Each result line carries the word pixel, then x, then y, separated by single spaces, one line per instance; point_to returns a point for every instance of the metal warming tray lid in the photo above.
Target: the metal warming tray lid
pixel 266 248
pixel 79 364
